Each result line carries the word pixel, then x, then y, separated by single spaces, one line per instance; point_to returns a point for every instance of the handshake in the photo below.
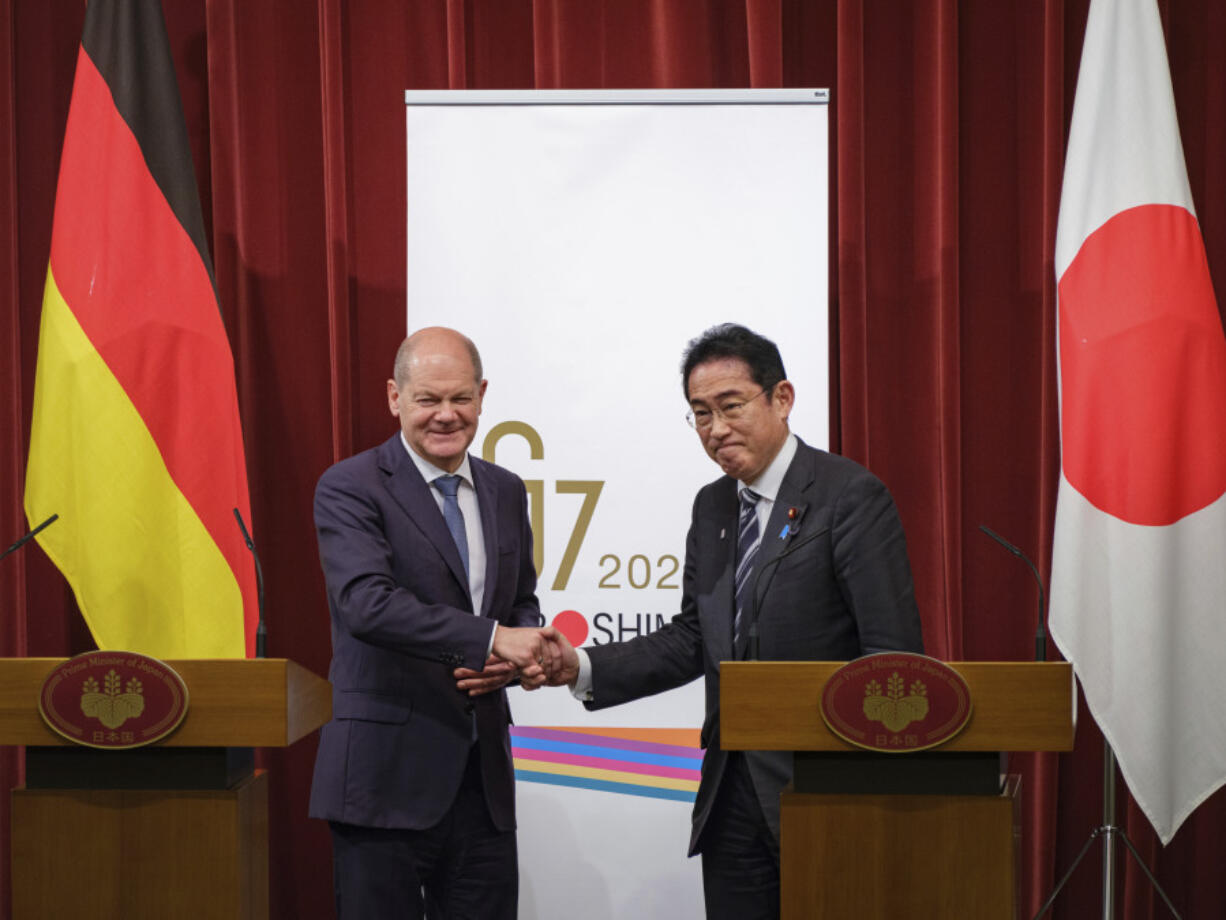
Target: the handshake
pixel 538 656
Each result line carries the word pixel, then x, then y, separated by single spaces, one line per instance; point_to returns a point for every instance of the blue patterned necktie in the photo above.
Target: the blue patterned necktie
pixel 746 552
pixel 450 486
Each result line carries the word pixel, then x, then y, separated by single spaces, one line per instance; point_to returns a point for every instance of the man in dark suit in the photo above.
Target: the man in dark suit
pixel 793 554
pixel 427 555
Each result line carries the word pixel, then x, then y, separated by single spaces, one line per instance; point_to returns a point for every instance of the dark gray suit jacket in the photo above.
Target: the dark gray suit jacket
pixel 402 620
pixel 834 588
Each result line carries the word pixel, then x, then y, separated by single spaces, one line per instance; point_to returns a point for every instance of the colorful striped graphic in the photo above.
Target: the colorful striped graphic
pixel 136 441
pixel 658 763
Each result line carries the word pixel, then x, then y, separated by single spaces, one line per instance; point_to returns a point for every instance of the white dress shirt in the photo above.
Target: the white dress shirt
pixel 768 484
pixel 466 497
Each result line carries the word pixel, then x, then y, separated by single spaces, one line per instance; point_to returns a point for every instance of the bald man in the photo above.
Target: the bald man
pixel 427 554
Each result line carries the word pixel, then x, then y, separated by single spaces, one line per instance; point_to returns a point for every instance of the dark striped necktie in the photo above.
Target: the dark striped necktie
pixel 747 542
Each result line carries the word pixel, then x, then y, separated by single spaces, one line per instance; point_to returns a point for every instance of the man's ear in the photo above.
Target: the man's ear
pixel 393 398
pixel 783 398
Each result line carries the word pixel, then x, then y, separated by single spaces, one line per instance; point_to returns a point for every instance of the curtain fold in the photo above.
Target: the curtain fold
pixel 12 460
pixel 336 222
pixel 899 277
pixel 947 128
pixel 764 38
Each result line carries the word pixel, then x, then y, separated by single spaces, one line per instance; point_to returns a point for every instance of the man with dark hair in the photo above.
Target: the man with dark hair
pixel 793 554
pixel 427 556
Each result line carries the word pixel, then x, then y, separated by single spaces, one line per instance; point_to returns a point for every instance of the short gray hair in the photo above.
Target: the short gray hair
pixel 404 356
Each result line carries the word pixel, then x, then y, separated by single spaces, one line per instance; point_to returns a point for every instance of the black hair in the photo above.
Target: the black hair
pixel 729 340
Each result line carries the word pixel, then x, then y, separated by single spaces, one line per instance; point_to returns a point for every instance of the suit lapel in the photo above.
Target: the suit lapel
pixel 724 526
pixel 413 494
pixel 793 495
pixel 487 505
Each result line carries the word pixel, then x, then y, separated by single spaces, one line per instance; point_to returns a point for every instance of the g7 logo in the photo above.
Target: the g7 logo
pixel 589 488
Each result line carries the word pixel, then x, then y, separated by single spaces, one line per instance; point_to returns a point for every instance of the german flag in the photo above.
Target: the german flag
pixel 136 441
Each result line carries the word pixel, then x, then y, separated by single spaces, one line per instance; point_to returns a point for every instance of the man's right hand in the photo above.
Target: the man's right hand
pixel 523 646
pixel 534 651
pixel 565 662
pixel 541 655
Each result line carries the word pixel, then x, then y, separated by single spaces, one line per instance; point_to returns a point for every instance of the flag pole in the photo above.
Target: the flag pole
pixel 1110 828
pixel 1109 831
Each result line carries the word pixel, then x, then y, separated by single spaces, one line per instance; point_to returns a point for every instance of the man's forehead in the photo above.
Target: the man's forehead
pixel 720 378
pixel 440 361
pixel 729 393
pixel 437 385
pixel 440 370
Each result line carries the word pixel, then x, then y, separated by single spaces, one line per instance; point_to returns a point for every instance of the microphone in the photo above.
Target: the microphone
pixel 29 536
pixel 261 633
pixel 751 653
pixel 1040 633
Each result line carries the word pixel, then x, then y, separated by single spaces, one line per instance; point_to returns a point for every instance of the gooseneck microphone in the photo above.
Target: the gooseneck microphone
pixel 261 634
pixel 29 536
pixel 1040 633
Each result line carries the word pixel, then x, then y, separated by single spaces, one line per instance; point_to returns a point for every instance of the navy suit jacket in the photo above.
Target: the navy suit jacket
pixel 402 620
pixel 836 587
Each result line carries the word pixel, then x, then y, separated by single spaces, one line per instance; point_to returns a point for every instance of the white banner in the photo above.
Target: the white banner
pixel 582 239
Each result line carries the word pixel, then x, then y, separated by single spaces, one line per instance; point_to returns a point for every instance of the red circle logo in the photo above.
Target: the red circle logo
pixel 113 699
pixel 572 625
pixel 895 702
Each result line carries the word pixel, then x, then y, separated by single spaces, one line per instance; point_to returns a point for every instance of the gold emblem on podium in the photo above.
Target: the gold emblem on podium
pixel 112 699
pixel 894 702
pixel 896 708
pixel 112 706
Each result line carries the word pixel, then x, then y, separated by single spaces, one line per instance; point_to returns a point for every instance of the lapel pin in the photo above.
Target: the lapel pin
pixel 792 527
pixel 789 526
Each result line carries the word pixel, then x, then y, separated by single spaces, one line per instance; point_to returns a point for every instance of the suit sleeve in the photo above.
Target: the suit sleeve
pixel 525 609
pixel 366 599
pixel 659 661
pixel 872 568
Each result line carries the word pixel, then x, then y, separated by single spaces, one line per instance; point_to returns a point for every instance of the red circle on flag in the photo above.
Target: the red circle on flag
pixel 1143 369
pixel 572 625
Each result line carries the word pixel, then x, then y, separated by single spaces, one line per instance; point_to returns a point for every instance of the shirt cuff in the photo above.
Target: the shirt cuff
pixel 582 690
pixel 489 649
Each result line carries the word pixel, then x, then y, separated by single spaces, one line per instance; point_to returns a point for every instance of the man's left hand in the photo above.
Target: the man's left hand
pixel 496 675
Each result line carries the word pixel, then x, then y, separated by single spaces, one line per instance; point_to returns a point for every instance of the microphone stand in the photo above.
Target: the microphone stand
pixel 29 536
pixel 261 633
pixel 1108 830
pixel 1040 632
pixel 751 653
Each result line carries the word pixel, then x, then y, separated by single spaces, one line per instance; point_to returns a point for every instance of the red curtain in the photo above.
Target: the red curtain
pixel 948 121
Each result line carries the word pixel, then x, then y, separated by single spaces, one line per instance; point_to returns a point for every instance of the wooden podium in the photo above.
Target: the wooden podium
pixel 178 829
pixel 930 834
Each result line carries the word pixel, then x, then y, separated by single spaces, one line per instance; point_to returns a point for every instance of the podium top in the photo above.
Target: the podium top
pixel 232 702
pixel 1016 706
